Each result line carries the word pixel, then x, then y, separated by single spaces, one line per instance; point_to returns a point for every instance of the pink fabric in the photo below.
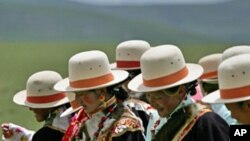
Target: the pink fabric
pixel 198 95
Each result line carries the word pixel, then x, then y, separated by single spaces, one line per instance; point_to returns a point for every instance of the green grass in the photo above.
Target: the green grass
pixel 20 60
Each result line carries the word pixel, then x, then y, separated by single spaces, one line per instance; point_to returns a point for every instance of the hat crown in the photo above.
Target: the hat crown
pixel 210 64
pixel 234 72
pixel 235 50
pixel 87 65
pixel 41 83
pixel 161 61
pixel 164 67
pixel 131 50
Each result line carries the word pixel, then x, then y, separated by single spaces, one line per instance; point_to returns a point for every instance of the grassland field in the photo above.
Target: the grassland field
pixel 19 60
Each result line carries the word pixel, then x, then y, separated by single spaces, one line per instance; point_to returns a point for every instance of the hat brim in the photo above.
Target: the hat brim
pixel 69 111
pixel 215 97
pixel 113 66
pixel 119 76
pixel 194 72
pixel 210 81
pixel 20 99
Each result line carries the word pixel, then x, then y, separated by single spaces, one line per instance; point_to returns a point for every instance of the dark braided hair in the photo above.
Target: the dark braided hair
pixel 118 91
pixel 241 103
pixel 190 87
pixel 133 73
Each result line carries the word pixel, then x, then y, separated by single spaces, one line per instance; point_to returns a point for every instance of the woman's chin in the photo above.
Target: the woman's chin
pixel 38 118
pixel 161 113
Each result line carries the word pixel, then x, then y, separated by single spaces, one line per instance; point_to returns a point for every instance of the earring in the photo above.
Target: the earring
pixel 102 99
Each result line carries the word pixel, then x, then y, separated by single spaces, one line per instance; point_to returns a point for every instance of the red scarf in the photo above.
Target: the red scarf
pixel 73 130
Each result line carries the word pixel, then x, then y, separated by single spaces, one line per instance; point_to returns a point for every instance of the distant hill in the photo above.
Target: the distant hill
pixel 61 20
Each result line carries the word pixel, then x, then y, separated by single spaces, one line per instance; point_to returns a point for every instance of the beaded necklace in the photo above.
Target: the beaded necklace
pixel 103 119
pixel 110 110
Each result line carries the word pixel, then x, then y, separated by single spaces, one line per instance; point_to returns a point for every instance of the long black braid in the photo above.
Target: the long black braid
pixel 191 87
pixel 118 91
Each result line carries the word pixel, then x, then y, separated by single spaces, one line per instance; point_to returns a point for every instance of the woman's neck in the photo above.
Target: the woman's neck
pixel 104 106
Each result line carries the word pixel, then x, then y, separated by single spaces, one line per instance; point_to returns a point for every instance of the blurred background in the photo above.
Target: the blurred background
pixel 40 35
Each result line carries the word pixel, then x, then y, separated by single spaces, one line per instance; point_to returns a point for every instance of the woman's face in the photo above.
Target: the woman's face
pixel 41 114
pixel 164 103
pixel 240 111
pixel 89 100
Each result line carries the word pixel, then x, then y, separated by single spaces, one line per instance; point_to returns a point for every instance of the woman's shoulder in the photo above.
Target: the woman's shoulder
pixel 128 122
pixel 47 133
pixel 211 118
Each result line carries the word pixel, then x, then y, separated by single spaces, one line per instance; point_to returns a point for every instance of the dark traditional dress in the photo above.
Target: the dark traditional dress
pixel 149 116
pixel 48 134
pixel 126 128
pixel 54 127
pixel 194 122
pixel 116 122
pixel 141 109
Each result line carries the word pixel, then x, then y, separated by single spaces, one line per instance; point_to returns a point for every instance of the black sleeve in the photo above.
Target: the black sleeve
pixel 143 116
pixel 47 134
pixel 209 127
pixel 130 136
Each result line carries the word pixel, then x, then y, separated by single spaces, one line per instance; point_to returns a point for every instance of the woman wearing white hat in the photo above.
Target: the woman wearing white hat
pixel 128 54
pixel 94 84
pixel 234 83
pixel 169 83
pixel 235 50
pixel 209 83
pixel 47 105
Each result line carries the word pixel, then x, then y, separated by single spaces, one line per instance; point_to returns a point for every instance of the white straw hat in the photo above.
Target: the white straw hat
pixel 234 81
pixel 39 91
pixel 210 64
pixel 74 106
pixel 164 67
pixel 128 54
pixel 90 70
pixel 235 50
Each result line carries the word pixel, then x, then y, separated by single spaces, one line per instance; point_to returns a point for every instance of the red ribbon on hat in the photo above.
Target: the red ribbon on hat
pixel 235 92
pixel 91 82
pixel 45 99
pixel 166 80
pixel 127 64
pixel 212 74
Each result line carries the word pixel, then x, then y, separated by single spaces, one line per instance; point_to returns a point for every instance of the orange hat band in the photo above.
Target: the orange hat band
pixel 235 93
pixel 169 79
pixel 45 99
pixel 74 104
pixel 127 64
pixel 212 74
pixel 92 81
